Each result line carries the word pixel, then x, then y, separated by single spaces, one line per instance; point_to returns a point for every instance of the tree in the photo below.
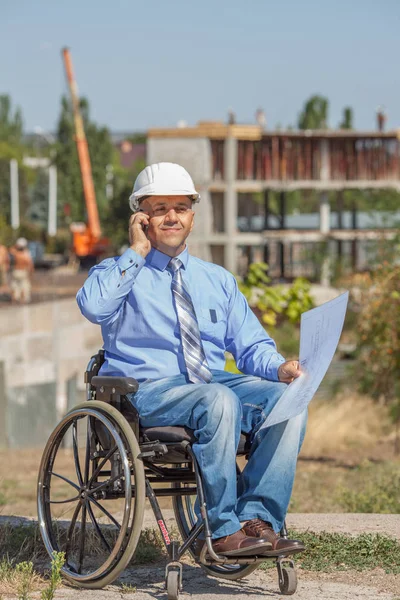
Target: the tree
pixel 101 153
pixel 347 122
pixel 38 209
pixel 119 210
pixel 378 333
pixel 314 114
pixel 10 122
pixel 10 147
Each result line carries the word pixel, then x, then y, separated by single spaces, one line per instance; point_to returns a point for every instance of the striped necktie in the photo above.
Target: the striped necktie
pixel 193 351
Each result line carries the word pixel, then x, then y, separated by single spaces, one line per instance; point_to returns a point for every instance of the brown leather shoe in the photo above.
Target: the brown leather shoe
pixel 279 545
pixel 241 544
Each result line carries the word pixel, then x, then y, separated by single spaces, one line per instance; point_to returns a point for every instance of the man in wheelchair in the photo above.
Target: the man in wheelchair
pixel 167 319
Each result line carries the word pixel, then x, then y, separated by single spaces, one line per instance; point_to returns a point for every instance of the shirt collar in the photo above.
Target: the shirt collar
pixel 160 261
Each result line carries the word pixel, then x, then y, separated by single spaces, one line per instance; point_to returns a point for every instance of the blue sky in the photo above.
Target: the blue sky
pixel 144 64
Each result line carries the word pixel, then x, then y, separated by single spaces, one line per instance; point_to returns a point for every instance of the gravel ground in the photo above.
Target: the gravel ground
pixel 148 582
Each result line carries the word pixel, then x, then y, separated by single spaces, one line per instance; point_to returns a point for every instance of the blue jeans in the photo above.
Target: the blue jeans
pixel 218 412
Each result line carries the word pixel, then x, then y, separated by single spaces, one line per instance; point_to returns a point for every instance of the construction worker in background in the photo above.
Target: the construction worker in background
pixel 21 271
pixel 4 266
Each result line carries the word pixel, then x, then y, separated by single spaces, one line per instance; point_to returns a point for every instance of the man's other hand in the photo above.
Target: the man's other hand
pixel 288 371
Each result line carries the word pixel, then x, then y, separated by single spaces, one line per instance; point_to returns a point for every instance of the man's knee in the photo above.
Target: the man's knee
pixel 219 403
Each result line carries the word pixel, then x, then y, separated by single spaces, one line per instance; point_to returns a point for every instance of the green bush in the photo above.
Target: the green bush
pixel 380 492
pixel 275 304
pixel 378 339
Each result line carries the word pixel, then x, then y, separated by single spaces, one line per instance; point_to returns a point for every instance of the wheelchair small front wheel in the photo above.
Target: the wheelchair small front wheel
pixel 91 494
pixel 287 578
pixel 172 584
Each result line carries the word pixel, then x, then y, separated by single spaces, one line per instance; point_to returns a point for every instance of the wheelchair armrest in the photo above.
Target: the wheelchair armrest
pixel 115 385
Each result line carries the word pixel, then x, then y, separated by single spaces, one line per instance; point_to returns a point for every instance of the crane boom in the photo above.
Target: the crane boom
pixel 83 152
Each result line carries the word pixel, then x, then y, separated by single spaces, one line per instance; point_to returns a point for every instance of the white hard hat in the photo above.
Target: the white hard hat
pixel 162 179
pixel 21 243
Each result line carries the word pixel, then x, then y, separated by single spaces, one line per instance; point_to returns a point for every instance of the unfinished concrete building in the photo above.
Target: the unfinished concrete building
pixel 236 167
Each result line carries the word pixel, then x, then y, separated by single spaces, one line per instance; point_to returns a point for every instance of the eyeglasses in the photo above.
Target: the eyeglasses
pixel 160 211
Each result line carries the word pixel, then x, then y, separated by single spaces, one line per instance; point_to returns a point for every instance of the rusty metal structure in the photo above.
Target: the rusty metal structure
pixel 319 156
pixel 232 162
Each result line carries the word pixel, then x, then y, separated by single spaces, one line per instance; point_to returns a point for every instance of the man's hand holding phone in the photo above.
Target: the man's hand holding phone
pixel 138 225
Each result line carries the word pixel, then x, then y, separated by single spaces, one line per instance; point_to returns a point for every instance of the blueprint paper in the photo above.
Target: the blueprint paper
pixel 320 331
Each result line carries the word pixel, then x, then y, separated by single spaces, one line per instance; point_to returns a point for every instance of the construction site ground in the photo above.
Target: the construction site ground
pixel 146 582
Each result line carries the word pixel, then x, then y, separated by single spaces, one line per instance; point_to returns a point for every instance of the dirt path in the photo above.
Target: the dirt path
pixel 149 584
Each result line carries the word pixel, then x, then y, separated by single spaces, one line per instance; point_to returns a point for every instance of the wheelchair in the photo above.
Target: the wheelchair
pixel 93 509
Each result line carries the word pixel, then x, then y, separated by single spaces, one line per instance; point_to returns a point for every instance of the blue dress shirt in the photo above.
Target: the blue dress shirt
pixel 131 298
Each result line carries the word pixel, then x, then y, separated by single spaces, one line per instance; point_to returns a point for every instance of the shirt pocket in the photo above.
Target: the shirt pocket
pixel 212 325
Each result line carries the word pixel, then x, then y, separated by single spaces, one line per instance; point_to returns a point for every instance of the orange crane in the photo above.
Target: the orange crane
pixel 88 242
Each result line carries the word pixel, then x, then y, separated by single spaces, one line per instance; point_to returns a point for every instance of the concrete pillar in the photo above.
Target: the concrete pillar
pixel 14 193
pixel 52 217
pixel 230 204
pixel 325 172
pixel 339 208
pixel 324 213
pixel 354 248
pixel 326 269
pixel 324 226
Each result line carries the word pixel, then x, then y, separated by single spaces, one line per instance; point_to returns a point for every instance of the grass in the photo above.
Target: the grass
pixel 349 426
pixel 325 552
pixel 127 589
pixel 333 487
pixel 378 490
pixel 55 576
pixel 18 578
pixel 23 543
pixel 23 560
pixel 329 552
pixel 349 447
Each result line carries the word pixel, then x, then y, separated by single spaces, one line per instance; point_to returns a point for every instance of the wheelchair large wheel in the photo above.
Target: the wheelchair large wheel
pixel 91 494
pixel 186 519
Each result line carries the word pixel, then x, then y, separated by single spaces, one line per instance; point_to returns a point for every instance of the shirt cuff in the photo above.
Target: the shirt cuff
pixel 131 261
pixel 273 371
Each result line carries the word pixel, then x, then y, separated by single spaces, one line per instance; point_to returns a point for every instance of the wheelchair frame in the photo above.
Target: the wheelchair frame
pixel 134 455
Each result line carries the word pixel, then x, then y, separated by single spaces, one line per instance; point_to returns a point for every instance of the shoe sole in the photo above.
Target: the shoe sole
pixel 276 553
pixel 249 551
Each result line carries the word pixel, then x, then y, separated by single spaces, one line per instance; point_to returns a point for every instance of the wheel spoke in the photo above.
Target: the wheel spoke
pixel 87 457
pixel 70 530
pixel 64 501
pixel 101 464
pixel 76 452
pixel 82 538
pixel 65 479
pixel 97 527
pixel 105 511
